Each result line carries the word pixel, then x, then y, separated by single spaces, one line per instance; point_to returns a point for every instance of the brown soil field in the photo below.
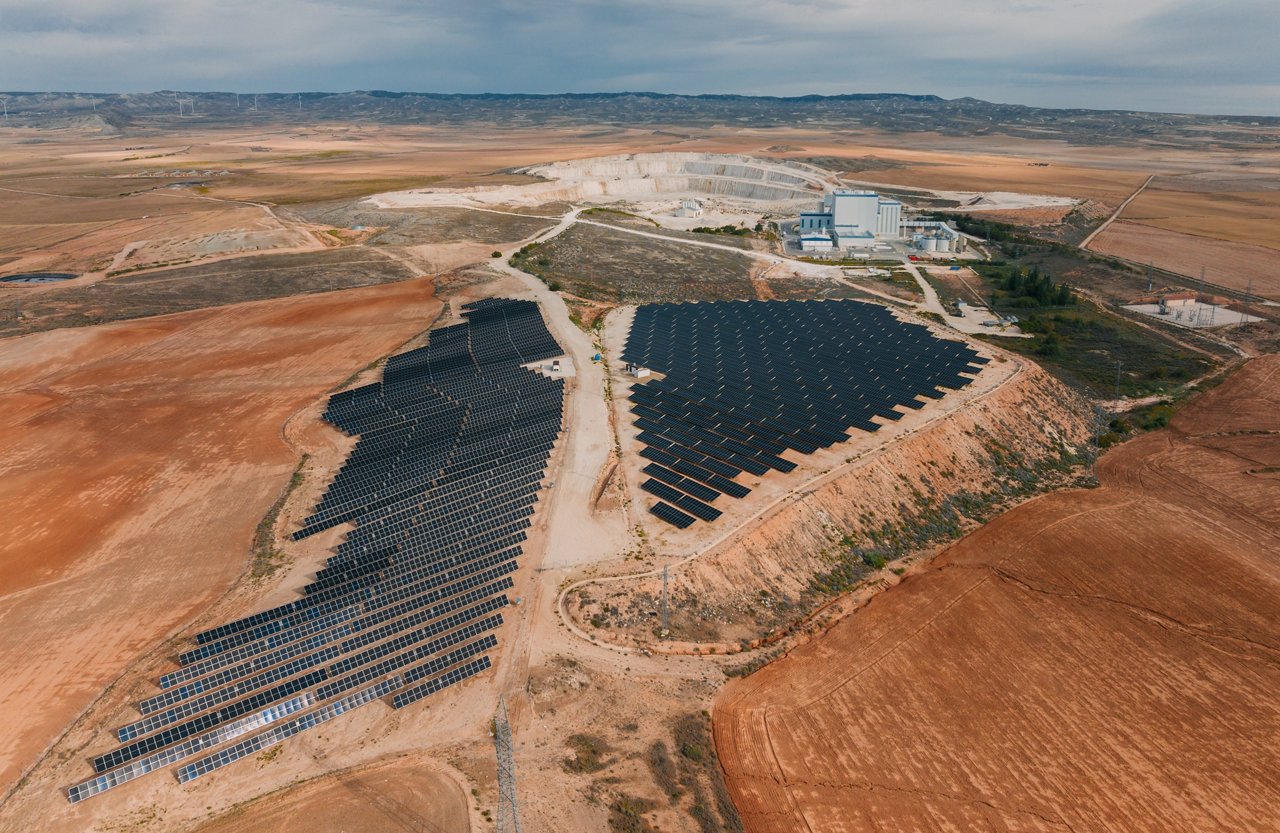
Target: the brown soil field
pixel 1232 265
pixel 137 459
pixel 1240 216
pixel 983 172
pixel 401 796
pixel 1092 660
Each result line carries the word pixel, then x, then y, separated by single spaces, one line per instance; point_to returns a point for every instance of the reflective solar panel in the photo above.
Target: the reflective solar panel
pixel 746 382
pixel 450 453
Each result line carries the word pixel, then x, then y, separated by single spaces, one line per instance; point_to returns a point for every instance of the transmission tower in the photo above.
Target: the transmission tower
pixel 1247 293
pixel 508 809
pixel 666 611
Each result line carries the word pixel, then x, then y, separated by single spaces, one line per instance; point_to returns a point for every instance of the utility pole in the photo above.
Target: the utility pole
pixel 6 109
pixel 237 101
pixel 1149 276
pixel 508 809
pixel 255 102
pixel 1119 364
pixel 299 102
pixel 1097 439
pixel 1247 293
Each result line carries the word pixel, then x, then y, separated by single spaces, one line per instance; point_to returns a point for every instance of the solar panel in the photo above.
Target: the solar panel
pixel 744 382
pixel 450 452
pixel 671 515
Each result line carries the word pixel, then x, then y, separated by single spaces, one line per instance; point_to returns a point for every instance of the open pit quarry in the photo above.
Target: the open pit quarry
pixel 639 177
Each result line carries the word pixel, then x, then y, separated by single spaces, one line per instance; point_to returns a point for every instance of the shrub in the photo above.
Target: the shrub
pixel 588 753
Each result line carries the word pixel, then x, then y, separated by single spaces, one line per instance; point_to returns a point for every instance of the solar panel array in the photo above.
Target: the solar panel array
pixel 453 444
pixel 746 381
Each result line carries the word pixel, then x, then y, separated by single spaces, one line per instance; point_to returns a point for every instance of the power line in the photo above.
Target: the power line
pixel 508 808
pixel 666 614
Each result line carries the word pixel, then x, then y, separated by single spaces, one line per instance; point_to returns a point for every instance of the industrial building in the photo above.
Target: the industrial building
pixel 689 208
pixel 933 236
pixel 851 219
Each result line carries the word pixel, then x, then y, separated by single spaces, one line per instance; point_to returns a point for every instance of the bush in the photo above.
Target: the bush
pixel 627 815
pixel 588 754
pixel 496 253
pixel 663 770
pixel 1158 417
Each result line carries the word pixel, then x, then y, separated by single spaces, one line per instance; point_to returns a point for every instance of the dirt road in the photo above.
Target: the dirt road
pixel 1084 244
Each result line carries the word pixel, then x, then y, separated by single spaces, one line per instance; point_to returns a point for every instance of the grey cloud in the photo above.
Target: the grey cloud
pixel 1154 54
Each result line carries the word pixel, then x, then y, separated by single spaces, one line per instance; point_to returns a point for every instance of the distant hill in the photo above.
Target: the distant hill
pixel 894 112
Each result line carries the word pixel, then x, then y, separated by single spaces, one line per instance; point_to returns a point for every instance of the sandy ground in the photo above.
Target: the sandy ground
pixel 137 459
pixel 1096 660
pixel 404 795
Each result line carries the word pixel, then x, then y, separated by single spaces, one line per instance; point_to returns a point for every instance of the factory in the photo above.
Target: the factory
pixel 932 236
pixel 850 220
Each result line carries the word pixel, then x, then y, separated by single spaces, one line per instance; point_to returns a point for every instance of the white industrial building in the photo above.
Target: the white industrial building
pixel 933 236
pixel 689 208
pixel 851 219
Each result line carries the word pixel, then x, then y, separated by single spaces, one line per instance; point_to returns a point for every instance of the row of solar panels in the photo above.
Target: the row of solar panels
pixel 746 381
pixel 405 607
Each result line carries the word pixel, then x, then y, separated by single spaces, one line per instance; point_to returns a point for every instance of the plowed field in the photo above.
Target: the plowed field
pixel 136 459
pixel 1104 660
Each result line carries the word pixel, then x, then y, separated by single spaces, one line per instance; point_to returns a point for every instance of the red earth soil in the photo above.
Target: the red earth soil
pixel 136 460
pixel 1103 660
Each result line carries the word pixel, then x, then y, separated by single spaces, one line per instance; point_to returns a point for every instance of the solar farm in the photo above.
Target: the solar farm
pixel 744 382
pixel 453 445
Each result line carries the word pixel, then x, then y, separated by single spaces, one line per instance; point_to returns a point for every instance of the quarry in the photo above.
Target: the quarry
pixel 695 478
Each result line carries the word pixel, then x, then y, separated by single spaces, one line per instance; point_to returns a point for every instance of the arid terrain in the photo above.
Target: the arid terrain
pixel 138 459
pixel 1090 658
pixel 1097 660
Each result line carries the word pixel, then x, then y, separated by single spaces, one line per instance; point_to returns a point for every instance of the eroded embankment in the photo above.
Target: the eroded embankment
pixel 916 492
pixel 1092 660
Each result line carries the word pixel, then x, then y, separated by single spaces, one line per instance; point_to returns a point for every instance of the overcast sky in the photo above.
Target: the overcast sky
pixel 1210 56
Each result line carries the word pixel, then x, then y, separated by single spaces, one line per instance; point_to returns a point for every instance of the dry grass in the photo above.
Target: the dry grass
pixel 603 265
pixel 1233 265
pixel 1251 217
pixel 195 287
